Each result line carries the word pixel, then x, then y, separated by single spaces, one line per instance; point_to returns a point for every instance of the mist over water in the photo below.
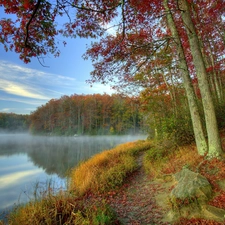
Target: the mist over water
pixel 26 160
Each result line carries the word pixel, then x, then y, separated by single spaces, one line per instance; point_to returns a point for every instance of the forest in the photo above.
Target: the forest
pixel 166 60
pixel 11 122
pixel 168 53
pixel 89 115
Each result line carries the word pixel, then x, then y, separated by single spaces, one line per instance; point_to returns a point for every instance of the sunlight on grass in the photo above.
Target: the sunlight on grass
pixel 107 169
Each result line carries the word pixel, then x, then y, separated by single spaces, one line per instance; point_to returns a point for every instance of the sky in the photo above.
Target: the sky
pixel 24 87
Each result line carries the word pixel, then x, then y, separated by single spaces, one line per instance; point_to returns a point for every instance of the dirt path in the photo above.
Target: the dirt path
pixel 136 203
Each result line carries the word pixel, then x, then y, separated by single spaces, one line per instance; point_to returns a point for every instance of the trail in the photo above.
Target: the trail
pixel 135 203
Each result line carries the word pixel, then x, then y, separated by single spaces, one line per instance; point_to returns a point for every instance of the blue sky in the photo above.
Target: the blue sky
pixel 24 87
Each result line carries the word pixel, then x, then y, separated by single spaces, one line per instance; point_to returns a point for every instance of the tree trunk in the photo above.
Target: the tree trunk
pixel 195 116
pixel 214 144
pixel 214 75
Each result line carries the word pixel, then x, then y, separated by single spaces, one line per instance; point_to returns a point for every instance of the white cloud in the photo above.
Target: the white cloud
pixel 110 28
pixel 18 89
pixel 114 25
pixel 18 99
pixel 13 72
pixel 6 110
pixel 100 88
pixel 10 179
pixel 21 110
pixel 31 83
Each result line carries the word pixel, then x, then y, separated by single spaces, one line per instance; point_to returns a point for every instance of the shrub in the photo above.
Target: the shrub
pixel 154 158
pixel 165 158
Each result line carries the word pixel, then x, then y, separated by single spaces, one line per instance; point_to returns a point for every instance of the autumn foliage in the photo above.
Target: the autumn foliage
pixel 88 114
pixel 135 49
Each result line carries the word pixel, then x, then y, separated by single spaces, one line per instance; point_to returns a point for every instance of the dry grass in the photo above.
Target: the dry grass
pixel 50 209
pixel 107 169
pixel 62 209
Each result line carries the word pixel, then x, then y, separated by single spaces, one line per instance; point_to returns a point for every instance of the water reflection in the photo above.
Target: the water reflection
pixel 58 154
pixel 26 160
pixel 15 173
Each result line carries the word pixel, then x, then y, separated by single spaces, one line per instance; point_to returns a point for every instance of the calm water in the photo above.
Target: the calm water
pixel 27 161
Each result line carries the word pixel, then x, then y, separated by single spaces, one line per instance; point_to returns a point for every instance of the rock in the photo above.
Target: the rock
pixel 189 197
pixel 213 213
pixel 191 188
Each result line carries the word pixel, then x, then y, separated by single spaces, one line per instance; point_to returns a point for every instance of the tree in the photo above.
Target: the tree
pixel 140 35
pixel 194 111
pixel 214 144
pixel 87 114
pixel 14 122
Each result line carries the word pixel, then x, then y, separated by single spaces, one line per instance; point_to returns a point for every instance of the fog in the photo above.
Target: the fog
pixel 26 160
pixel 58 154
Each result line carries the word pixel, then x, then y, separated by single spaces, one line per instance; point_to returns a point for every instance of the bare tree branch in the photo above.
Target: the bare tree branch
pixel 29 22
pixel 41 62
pixel 93 10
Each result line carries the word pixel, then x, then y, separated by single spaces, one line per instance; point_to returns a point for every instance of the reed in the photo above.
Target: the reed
pixel 61 209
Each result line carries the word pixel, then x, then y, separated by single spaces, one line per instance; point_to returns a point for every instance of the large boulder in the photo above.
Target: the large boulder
pixel 189 198
pixel 190 188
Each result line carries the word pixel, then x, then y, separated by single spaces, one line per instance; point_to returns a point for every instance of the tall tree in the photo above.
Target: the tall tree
pixel 195 115
pixel 214 144
pixel 139 36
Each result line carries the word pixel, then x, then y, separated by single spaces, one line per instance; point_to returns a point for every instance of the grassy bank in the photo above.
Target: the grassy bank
pixel 104 172
pixel 95 180
pixel 107 170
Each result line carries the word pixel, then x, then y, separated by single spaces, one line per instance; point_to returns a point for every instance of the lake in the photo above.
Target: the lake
pixel 28 162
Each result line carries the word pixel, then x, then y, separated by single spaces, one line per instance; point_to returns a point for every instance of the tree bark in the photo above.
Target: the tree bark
pixel 214 144
pixel 214 75
pixel 192 101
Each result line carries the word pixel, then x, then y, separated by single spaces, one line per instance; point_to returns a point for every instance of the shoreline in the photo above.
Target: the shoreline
pixel 108 195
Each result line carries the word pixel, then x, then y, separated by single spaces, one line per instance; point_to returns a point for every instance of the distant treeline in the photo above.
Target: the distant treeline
pixel 14 122
pixel 88 114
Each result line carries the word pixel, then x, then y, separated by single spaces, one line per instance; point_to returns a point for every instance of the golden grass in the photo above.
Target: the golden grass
pixel 62 209
pixel 50 209
pixel 107 169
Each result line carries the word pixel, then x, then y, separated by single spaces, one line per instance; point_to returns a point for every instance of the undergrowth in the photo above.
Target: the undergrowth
pixel 63 209
pixel 162 160
pixel 165 159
